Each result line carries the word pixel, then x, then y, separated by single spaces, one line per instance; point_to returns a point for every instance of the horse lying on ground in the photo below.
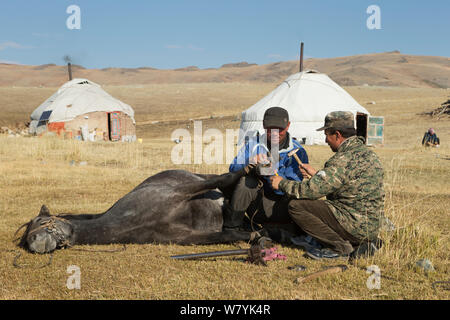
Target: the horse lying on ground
pixel 173 206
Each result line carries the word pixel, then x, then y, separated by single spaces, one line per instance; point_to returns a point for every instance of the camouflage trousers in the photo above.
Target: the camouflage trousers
pixel 316 219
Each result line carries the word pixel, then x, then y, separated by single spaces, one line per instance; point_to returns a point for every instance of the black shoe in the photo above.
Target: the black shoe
pixel 325 253
pixel 306 242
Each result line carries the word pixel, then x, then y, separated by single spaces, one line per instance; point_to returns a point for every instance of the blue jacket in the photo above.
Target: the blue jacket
pixel 287 166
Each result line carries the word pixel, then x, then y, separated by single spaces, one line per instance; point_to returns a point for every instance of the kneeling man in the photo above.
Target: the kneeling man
pixel 351 180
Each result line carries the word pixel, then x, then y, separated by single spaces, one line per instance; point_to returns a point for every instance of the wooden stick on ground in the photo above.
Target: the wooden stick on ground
pixel 330 270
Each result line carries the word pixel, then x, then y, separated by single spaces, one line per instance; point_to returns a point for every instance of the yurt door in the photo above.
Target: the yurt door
pixel 371 128
pixel 114 126
pixel 375 131
pixel 361 125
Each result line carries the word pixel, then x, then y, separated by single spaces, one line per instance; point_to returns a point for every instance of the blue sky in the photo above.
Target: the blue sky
pixel 174 34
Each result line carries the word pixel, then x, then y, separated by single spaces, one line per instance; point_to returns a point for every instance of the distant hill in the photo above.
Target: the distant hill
pixel 379 69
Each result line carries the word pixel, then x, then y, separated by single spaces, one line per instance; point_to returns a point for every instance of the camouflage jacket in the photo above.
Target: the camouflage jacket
pixel 352 181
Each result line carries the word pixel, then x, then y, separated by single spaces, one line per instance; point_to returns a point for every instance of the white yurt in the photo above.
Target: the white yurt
pixel 81 109
pixel 307 96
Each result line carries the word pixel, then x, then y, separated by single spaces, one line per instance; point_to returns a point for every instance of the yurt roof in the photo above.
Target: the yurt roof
pixel 308 97
pixel 77 97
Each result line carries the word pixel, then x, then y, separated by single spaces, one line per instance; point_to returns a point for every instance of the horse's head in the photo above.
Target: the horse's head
pixel 46 233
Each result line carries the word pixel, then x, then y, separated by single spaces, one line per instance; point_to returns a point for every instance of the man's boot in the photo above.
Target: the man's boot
pixel 232 220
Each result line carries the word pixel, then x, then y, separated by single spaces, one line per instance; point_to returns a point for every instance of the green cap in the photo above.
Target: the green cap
pixel 339 120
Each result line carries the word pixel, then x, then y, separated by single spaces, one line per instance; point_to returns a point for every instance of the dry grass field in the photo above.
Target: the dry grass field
pixel 36 171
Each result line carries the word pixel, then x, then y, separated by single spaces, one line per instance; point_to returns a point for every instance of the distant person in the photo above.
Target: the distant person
pixel 430 139
pixel 255 195
pixel 351 180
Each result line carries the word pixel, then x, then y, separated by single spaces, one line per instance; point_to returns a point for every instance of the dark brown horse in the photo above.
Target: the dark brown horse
pixel 172 206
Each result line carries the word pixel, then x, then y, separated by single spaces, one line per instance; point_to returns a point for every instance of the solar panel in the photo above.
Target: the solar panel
pixel 45 115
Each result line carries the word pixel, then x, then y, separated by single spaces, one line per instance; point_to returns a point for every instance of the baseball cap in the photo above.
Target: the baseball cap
pixel 276 117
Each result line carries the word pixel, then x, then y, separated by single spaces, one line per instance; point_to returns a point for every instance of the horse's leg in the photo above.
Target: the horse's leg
pixel 222 181
pixel 227 190
pixel 225 236
pixel 206 176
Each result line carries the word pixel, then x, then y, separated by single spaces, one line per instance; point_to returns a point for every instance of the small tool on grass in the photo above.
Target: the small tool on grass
pixel 256 254
pixel 329 270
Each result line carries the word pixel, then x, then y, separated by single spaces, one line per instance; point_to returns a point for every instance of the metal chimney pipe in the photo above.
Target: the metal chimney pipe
pixel 301 57
pixel 69 67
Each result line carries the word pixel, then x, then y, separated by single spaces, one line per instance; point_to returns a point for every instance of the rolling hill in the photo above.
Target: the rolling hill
pixel 379 69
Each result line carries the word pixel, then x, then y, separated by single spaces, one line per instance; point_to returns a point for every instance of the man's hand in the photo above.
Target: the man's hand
pixel 306 170
pixel 249 169
pixel 275 180
pixel 259 158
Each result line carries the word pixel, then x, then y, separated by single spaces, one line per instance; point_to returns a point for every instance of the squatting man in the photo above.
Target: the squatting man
pixel 351 181
pixel 253 195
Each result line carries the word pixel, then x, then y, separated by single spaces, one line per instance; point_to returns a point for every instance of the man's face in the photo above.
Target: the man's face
pixel 333 140
pixel 276 135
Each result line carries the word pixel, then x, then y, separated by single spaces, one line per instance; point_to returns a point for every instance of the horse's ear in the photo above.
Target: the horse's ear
pixel 44 211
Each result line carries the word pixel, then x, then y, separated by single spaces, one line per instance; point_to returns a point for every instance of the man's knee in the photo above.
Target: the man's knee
pixel 305 209
pixel 247 186
pixel 245 192
pixel 297 207
pixel 298 211
pixel 249 182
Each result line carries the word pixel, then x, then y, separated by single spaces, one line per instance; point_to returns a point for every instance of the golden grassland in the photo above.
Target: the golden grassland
pixel 47 170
